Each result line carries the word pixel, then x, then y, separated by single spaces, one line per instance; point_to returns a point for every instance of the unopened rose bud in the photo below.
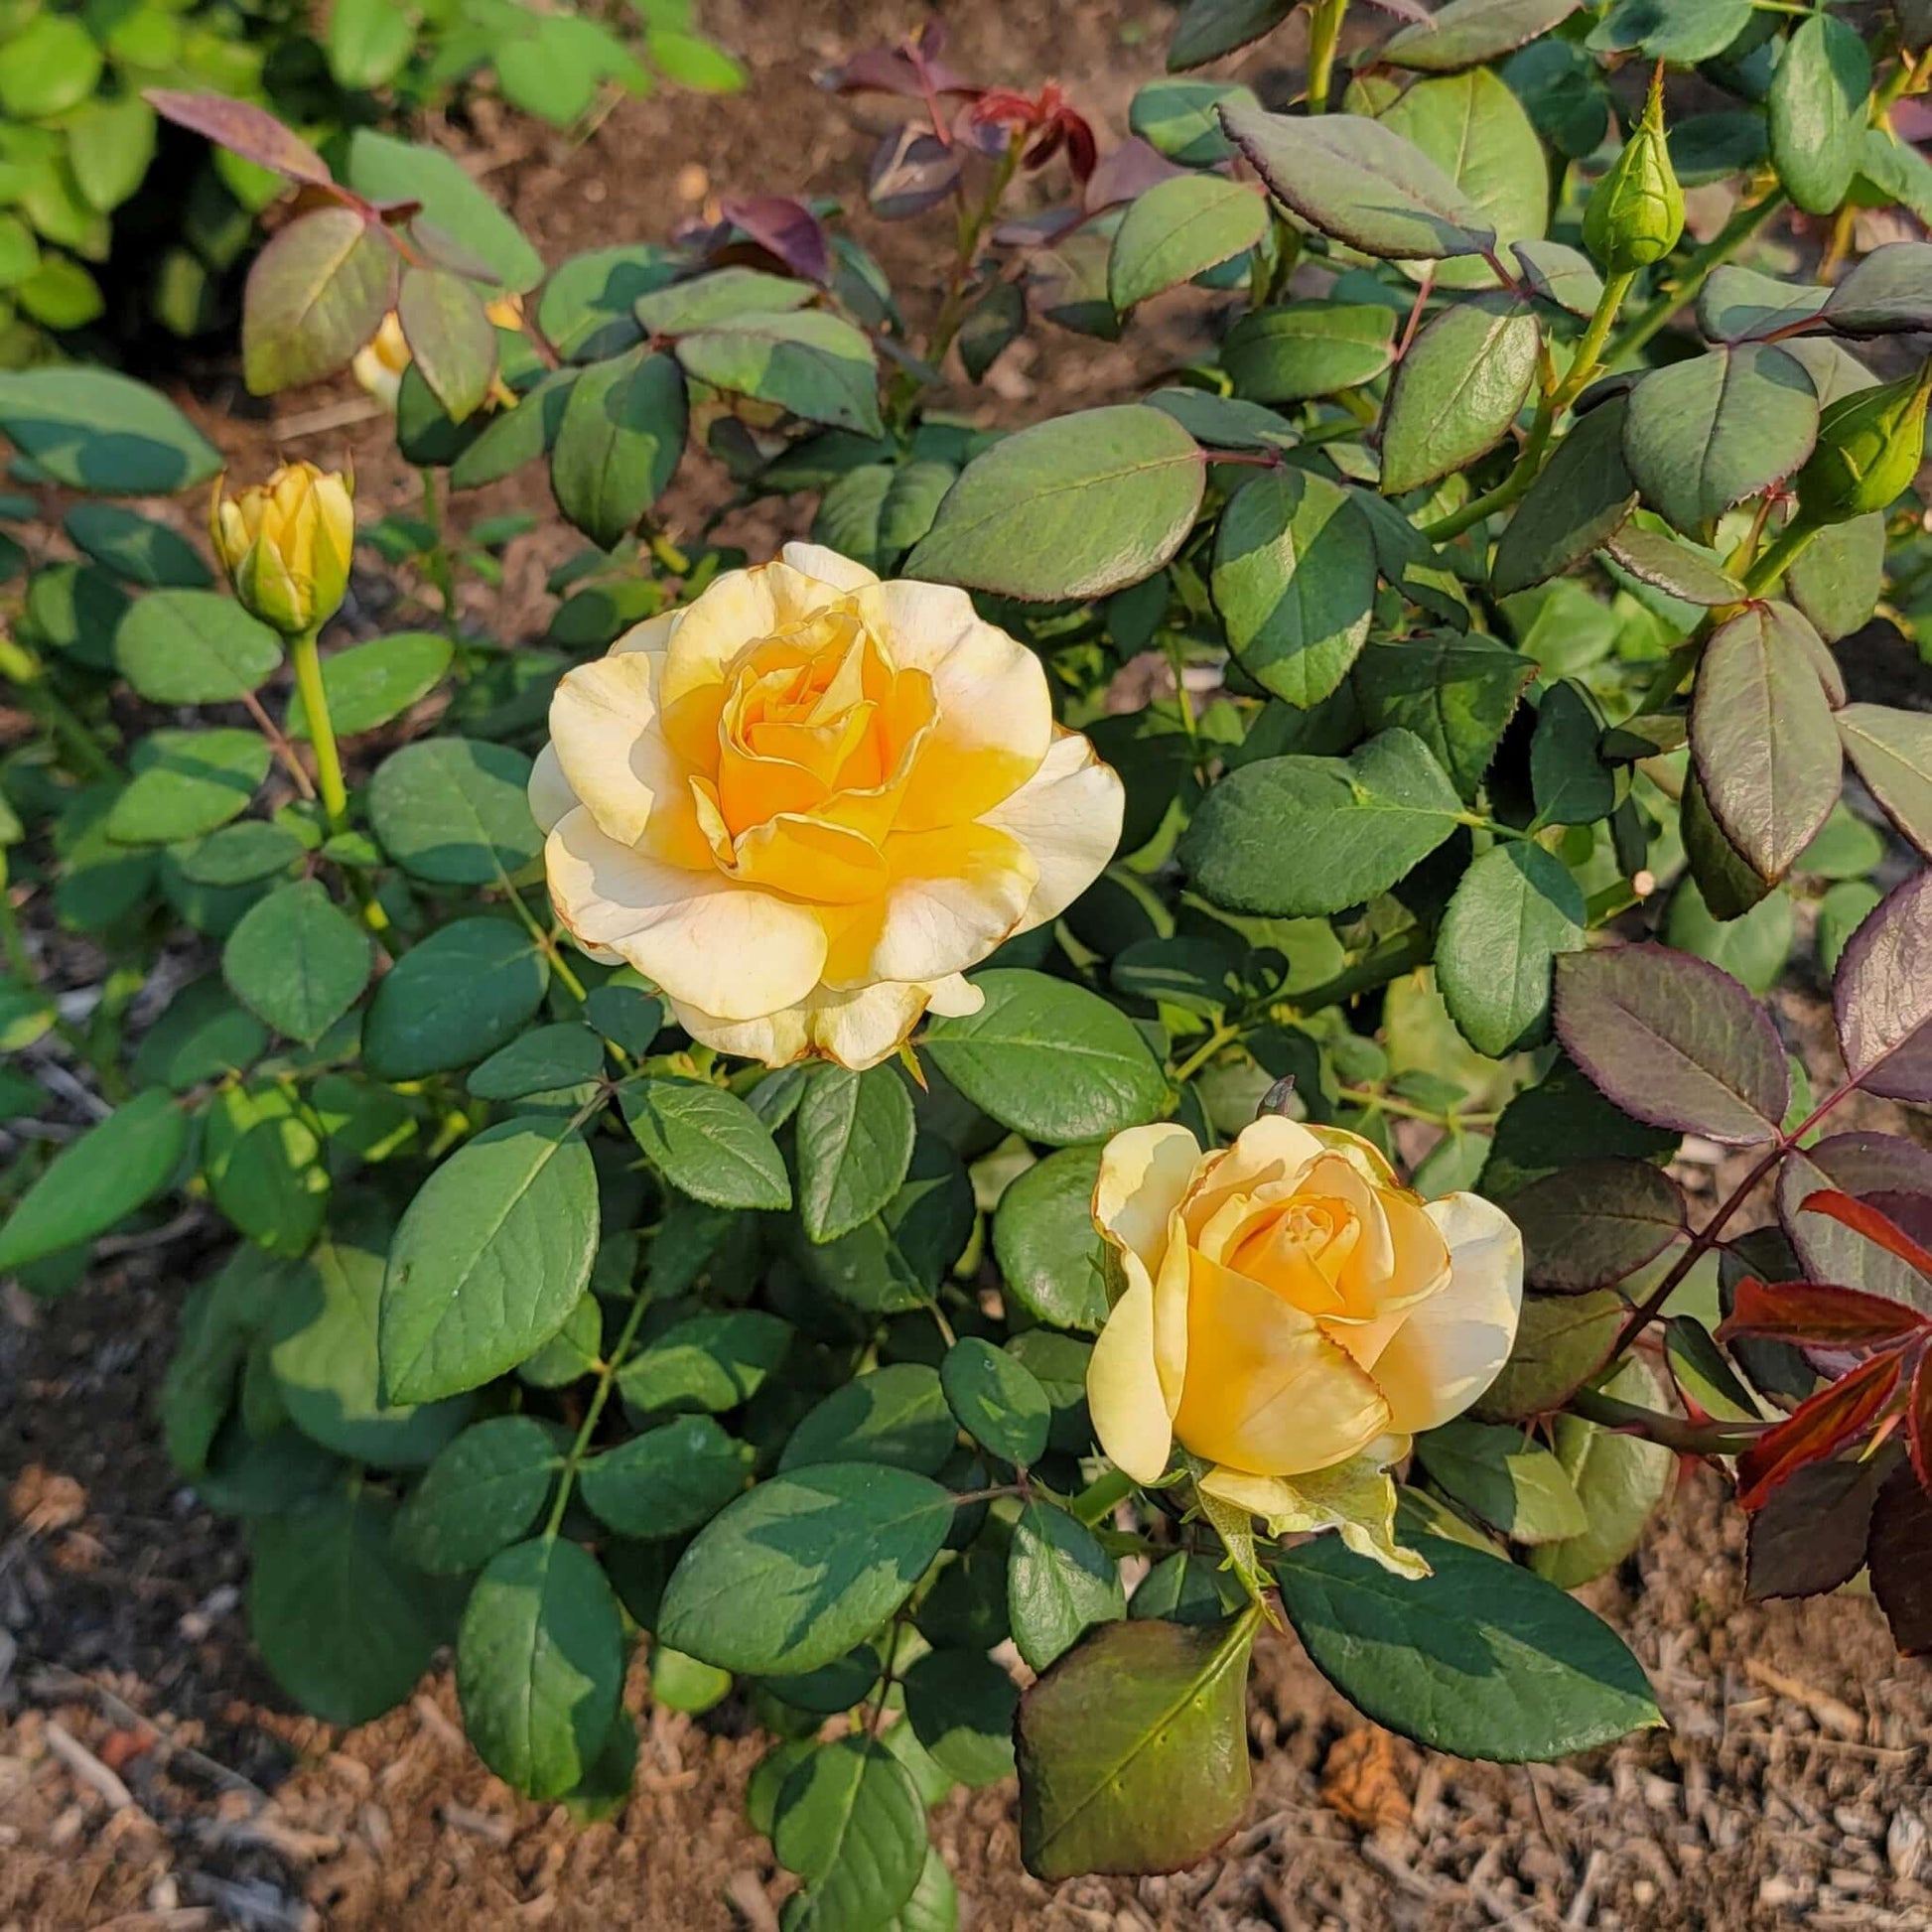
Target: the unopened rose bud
pixel 1870 447
pixel 286 545
pixel 1636 212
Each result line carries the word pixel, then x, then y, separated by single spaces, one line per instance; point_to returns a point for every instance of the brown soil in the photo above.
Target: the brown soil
pixel 152 1779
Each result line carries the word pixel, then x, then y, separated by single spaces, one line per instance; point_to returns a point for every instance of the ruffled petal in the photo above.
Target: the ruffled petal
pixel 858 1029
pixel 1122 1391
pixel 995 711
pixel 604 730
pixel 734 612
pixel 1143 1177
pixel 1267 1392
pixel 1068 816
pixel 1454 1345
pixel 655 634
pixel 956 996
pixel 698 934
pixel 815 560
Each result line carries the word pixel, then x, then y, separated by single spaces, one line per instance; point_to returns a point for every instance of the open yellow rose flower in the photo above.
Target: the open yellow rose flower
pixel 1288 1306
pixel 809 801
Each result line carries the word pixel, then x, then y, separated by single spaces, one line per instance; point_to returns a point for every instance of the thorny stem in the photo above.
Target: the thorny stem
pixel 1671 1431
pixel 607 1376
pixel 1383 1103
pixel 546 942
pixel 972 227
pixel 1527 464
pixel 1711 1233
pixel 1785 550
pixel 1324 35
pixel 322 732
pixel 437 558
pixel 1585 364
pixel 1223 1033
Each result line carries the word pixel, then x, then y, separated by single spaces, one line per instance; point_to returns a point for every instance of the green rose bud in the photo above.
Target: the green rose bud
pixel 1636 212
pixel 1870 447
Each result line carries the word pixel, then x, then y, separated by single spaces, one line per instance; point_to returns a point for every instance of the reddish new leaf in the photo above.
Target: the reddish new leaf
pixel 1918 1420
pixel 912 172
pixel 1815 1429
pixel 1863 1218
pixel 245 129
pixel 1810 1536
pixel 1900 1559
pixel 786 228
pixel 1883 998
pixel 1816 1314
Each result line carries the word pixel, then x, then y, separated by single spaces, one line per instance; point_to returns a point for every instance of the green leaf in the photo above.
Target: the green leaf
pixel 1516 909
pixel 1480 136
pixel 626 1015
pixel 515 436
pixel 1845 847
pixel 1458 390
pixel 414 1028
pixel 1571 783
pixel 1179 229
pixel 1558 274
pixel 813 364
pixel 855 1142
pixel 1361 183
pixel 370 684
pixel 480 1494
pixel 1674 1042
pixel 1672 567
pixel 712 1361
pixel 1455 690
pixel 1207 28
pixel 721 296
pixel 1738 305
pixel 323 1354
pixel 193 647
pixel 385 169
pixel 1593 1224
pixel 1892 751
pixel 1752 947
pixel 1582 498
pixel 1178 118
pixel 1682 32
pixel 263 1163
pixel 1763 736
pixel 345 1626
pixel 1479 1658
pixel 566 1055
pixel 201 1036
pixel 136 548
pixel 1888 293
pixel 896 1414
pixel 297 962
pixel 315 294
pixel 1045 1243
pixel 49 63
pixel 454 811
pixel 1049 1059
pixel 368 42
pixel 1294 578
pixel 1132 1750
pixel 1562 1340
pixel 96 1179
pixel 667 1482
pixel 896 1260
pixel 1818 95
pixel 1296 837
pixel 804 1567
pixel 451 340
pixel 1839 577
pixel 620 441
pixel 1619 1480
pixel 187 782
pixel 539 1664
pixel 1512 1484
pixel 706 1141
pixel 1305 350
pixel 490 1259
pixel 1706 433
pixel 998 1401
pixel 1076 506
pixel 961 1706
pixel 1059 1581
pixel 1466 33
pixel 587 310
pixel 849 1821
pixel 1559 1122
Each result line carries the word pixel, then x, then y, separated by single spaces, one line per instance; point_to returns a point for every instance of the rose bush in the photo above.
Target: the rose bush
pixel 808 803
pixel 1341 817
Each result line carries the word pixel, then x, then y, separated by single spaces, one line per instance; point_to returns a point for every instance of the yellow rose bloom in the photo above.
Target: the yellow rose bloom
pixel 286 545
pixel 1288 1306
pixel 809 801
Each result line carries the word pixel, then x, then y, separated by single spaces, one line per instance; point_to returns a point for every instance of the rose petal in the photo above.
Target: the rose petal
pixel 1068 816
pixel 1143 1177
pixel 1122 1391
pixel 734 612
pixel 550 793
pixel 858 1029
pixel 827 566
pixel 995 713
pixel 1267 1391
pixel 745 952
pixel 610 745
pixel 1452 1345
pixel 655 634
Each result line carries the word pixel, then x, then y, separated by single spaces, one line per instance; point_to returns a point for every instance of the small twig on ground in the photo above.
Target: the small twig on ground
pixel 85 1766
pixel 747 1897
pixel 1832 1713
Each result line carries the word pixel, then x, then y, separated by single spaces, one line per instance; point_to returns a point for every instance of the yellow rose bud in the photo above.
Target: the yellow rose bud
pixel 1285 1305
pixel 379 363
pixel 809 801
pixel 286 545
